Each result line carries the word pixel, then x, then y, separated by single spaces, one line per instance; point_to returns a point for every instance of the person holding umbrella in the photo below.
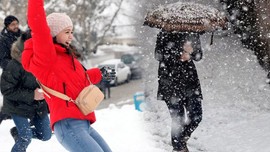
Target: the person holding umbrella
pixel 179 85
pixel 177 46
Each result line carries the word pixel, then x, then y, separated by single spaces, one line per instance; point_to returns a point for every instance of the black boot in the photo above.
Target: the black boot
pixel 14 133
pixel 180 146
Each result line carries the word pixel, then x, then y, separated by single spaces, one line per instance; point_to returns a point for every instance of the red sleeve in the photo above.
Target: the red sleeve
pixel 94 75
pixel 27 55
pixel 44 53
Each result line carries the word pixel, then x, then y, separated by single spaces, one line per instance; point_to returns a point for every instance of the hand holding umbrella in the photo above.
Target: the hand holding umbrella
pixel 185 55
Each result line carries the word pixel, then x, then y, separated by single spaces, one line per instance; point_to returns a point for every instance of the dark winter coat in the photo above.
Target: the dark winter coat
pixel 17 87
pixel 177 80
pixel 6 40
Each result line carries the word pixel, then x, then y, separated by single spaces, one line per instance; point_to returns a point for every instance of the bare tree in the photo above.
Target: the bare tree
pixel 91 22
pixel 13 7
pixel 108 26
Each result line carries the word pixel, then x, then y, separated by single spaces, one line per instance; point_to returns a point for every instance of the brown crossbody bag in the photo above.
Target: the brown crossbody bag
pixel 87 101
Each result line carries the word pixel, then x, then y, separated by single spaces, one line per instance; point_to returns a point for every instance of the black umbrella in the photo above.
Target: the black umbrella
pixel 186 17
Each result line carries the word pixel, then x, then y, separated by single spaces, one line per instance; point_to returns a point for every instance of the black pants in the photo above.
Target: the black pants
pixel 182 126
pixel 106 90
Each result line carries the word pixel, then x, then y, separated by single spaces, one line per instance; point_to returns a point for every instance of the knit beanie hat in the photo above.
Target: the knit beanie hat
pixel 9 19
pixel 58 22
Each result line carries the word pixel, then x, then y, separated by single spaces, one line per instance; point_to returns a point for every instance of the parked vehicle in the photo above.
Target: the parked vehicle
pixel 133 61
pixel 123 73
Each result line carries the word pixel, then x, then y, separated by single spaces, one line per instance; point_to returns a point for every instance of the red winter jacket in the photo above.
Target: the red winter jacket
pixel 54 68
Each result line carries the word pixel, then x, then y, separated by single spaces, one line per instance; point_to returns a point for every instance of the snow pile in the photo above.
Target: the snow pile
pixel 123 129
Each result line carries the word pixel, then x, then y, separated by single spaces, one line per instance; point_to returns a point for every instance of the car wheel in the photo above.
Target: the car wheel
pixel 128 78
pixel 115 82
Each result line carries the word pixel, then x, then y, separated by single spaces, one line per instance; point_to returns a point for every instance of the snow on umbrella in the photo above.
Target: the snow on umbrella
pixel 183 17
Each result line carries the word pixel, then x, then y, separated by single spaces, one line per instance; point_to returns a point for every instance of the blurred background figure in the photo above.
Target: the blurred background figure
pixel 8 35
pixel 105 87
pixel 108 75
pixel 23 101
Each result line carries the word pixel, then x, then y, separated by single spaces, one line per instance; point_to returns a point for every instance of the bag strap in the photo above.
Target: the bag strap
pixel 55 93
pixel 87 76
pixel 59 94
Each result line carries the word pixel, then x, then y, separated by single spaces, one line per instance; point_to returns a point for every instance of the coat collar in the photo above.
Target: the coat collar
pixel 60 48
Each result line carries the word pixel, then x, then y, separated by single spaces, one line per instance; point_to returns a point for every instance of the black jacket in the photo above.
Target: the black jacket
pixel 6 40
pixel 177 80
pixel 17 87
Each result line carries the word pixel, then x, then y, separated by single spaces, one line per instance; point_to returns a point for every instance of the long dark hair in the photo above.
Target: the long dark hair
pixel 72 50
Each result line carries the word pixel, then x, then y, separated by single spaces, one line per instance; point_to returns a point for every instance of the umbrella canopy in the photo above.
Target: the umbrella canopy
pixel 186 17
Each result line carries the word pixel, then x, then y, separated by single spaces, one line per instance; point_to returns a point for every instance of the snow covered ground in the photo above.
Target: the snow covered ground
pixel 236 99
pixel 236 110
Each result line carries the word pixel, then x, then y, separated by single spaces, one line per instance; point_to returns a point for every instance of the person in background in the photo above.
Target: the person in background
pixel 8 35
pixel 179 85
pixel 24 102
pixel 104 84
pixel 49 56
pixel 107 87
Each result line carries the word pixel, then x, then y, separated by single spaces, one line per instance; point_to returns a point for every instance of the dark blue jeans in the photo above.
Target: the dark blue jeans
pixel 39 129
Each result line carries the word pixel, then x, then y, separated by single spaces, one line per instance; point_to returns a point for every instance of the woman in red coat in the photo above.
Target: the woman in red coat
pixel 48 56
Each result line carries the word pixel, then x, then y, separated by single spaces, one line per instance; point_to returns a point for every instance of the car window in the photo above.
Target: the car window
pixel 127 59
pixel 107 65
pixel 137 57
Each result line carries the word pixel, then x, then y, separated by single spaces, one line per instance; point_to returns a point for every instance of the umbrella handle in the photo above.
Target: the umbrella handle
pixel 212 38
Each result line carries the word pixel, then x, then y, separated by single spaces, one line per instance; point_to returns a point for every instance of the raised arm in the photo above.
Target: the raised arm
pixel 44 53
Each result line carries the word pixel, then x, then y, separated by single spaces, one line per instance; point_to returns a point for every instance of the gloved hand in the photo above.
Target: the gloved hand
pixel 108 73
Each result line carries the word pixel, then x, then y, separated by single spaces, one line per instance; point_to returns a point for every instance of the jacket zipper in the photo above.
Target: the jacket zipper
pixel 73 63
pixel 64 86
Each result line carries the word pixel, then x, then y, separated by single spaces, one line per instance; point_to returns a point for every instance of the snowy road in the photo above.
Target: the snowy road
pixel 123 94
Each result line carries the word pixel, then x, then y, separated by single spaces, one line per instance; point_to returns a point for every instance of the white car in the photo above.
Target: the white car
pixel 123 73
